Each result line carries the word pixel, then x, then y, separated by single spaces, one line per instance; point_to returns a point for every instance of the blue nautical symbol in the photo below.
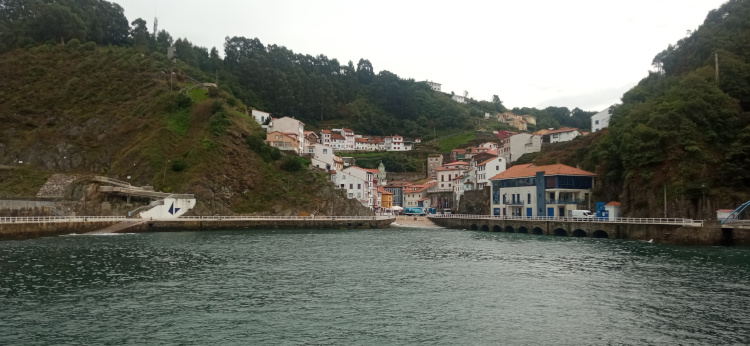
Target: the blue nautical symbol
pixel 172 209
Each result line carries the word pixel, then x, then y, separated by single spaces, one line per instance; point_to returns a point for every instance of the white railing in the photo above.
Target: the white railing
pixel 287 218
pixel 40 219
pixel 666 221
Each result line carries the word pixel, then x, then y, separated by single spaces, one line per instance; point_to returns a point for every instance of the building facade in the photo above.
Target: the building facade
pixel 540 191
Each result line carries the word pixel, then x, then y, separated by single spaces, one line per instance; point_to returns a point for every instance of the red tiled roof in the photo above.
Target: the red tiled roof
pixel 325 131
pixel 362 140
pixel 337 136
pixel 562 130
pixel 613 204
pixel 530 170
pixel 486 162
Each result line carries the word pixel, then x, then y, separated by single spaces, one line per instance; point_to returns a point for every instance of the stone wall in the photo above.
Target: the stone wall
pixel 709 234
pixel 9 231
pixel 475 202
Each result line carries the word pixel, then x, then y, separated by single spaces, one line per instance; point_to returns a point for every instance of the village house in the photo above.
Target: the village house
pixel 283 141
pixel 518 144
pixel 564 134
pixel 322 157
pixel 447 173
pixel 394 143
pixel 530 191
pixel 311 138
pixel 260 116
pixel 386 198
pixel 289 126
pixel 434 161
pixel 397 189
pixel 416 194
pixel 601 120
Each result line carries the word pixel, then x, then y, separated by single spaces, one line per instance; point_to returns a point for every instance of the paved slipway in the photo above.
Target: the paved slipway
pixel 413 221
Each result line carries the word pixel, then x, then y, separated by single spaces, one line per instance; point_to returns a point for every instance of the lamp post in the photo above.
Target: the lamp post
pixel 703 206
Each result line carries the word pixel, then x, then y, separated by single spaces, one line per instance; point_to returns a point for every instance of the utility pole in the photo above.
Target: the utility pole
pixel 665 201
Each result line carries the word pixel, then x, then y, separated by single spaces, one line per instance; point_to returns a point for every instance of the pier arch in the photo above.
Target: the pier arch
pixel 561 232
pixel 538 231
pixel 497 229
pixel 474 227
pixel 485 228
pixel 600 234
pixel 579 233
pixel 509 229
pixel 523 229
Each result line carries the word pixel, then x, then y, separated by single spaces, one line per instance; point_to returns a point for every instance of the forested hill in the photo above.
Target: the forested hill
pixel 681 131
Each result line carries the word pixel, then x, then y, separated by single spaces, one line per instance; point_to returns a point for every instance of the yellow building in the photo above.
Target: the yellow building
pixel 386 198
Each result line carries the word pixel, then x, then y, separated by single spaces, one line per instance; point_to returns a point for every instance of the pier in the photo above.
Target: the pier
pixel 33 227
pixel 669 231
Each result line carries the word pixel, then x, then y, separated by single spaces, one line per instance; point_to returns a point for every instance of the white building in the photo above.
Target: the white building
pixel 291 126
pixel 369 190
pixel 433 85
pixel 459 98
pixel 395 143
pixel 564 134
pixel 447 173
pixel 349 139
pixel 356 188
pixel 488 169
pixel 530 191
pixel 260 117
pixel 521 143
pixel 322 156
pixel 601 120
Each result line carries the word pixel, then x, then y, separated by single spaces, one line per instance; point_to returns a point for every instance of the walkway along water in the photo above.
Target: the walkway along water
pixel 671 231
pixel 33 227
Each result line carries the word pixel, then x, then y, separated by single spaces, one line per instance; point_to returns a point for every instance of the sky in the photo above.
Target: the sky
pixel 531 53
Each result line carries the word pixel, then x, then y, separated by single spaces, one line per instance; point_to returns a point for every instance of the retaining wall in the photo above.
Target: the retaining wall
pixel 10 231
pixel 710 234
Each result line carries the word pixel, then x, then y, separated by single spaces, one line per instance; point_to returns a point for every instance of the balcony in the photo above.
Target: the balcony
pixel 513 202
pixel 566 201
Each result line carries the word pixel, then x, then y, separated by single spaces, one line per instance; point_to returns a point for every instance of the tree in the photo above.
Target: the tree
pixel 498 104
pixel 365 73
pixel 56 22
pixel 139 32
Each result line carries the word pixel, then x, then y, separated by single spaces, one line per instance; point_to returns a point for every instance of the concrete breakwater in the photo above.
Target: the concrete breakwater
pixel 705 233
pixel 26 228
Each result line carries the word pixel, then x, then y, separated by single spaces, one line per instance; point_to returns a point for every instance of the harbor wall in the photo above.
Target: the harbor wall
pixel 15 231
pixel 710 233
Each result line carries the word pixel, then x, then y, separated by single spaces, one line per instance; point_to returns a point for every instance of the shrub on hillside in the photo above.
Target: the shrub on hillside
pixel 294 163
pixel 183 101
pixel 178 165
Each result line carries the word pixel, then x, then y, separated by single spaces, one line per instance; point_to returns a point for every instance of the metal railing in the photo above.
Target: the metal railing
pixel 40 219
pixel 631 220
pixel 288 218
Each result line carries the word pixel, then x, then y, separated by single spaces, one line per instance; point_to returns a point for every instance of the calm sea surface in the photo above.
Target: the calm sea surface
pixel 401 286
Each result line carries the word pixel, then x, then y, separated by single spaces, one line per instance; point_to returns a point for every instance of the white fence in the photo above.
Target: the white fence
pixel 630 220
pixel 40 219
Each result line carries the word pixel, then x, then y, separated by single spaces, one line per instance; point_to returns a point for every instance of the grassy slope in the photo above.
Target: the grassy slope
pixel 109 111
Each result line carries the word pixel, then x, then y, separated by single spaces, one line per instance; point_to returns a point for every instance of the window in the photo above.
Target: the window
pixel 497 168
pixel 529 199
pixel 325 151
pixel 351 186
pixel 596 122
pixel 359 186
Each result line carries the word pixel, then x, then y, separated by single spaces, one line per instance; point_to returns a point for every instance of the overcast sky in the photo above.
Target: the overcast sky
pixel 531 53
